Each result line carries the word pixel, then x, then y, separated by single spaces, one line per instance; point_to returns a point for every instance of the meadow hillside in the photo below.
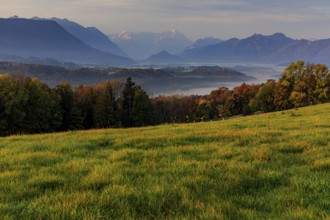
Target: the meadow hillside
pixel 270 166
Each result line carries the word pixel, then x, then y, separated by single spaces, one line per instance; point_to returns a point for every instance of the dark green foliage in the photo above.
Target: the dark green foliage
pixel 203 111
pixel 127 103
pixel 66 94
pixel 41 108
pixel 136 108
pixel 12 101
pixel 27 106
pixel 84 100
pixel 264 100
pixel 175 109
pixel 141 112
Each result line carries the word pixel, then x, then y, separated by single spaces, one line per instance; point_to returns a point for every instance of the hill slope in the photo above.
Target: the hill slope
pixel 47 39
pixel 163 57
pixel 258 167
pixel 90 36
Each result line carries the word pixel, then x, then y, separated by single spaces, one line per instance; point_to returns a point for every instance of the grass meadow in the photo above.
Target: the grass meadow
pixel 269 166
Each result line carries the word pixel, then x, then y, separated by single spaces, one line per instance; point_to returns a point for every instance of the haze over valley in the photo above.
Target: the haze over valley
pixel 61 42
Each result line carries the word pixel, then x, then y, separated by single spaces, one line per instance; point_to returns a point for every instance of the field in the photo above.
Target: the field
pixel 270 166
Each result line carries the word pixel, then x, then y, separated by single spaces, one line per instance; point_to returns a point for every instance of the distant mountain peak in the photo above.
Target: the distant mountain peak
pixel 172 33
pixel 173 30
pixel 62 19
pixel 204 42
pixel 164 53
pixel 140 45
pixel 14 17
pixel 163 57
pixel 251 49
pixel 279 34
pixel 126 35
pixel 275 35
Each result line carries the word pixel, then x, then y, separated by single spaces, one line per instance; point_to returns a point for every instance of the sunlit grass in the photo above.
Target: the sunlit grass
pixel 271 166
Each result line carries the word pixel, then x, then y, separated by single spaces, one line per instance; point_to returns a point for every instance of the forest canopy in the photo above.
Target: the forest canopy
pixel 29 106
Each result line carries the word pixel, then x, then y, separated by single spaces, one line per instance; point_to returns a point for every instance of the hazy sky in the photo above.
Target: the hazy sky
pixel 196 18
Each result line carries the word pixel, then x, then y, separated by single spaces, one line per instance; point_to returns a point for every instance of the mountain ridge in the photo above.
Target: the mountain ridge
pixel 47 39
pixel 90 36
pixel 141 45
pixel 258 48
pixel 248 49
pixel 163 58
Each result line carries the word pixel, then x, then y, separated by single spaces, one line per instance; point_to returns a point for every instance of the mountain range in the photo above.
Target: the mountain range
pixel 204 42
pixel 141 45
pixel 60 40
pixel 43 38
pixel 90 36
pixel 275 49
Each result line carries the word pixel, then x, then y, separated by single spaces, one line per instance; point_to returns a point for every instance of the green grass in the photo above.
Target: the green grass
pixel 271 166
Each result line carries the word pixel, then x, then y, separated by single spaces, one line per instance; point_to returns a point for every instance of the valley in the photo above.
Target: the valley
pixel 154 125
pixel 156 81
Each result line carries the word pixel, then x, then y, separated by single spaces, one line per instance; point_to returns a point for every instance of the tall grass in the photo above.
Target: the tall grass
pixel 271 166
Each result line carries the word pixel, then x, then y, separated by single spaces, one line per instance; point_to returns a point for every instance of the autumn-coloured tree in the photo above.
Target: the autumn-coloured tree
pixel 29 106
pixel 302 84
pixel 218 99
pixel 321 92
pixel 105 115
pixel 84 107
pixel 240 98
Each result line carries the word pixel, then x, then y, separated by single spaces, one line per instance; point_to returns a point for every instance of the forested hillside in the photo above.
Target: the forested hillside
pixel 29 106
pixel 153 80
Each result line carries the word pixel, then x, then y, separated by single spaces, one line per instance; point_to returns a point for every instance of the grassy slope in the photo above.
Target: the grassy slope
pixel 266 166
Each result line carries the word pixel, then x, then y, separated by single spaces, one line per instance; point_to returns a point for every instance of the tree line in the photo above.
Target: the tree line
pixel 29 106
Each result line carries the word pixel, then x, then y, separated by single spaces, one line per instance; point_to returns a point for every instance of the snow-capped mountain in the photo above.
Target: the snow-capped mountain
pixel 144 44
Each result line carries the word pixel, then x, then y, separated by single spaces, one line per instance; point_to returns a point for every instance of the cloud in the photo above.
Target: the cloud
pixel 223 18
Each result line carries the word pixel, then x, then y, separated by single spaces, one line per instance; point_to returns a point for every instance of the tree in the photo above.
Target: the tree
pixel 141 111
pixel 240 98
pixel 127 103
pixel 41 108
pixel 301 85
pixel 104 107
pixel 285 85
pixel 203 111
pixel 13 98
pixel 264 100
pixel 322 87
pixel 188 106
pixel 218 99
pixel 65 92
pixel 84 107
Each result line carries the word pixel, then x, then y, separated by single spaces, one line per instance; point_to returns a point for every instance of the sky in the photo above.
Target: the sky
pixel 223 19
